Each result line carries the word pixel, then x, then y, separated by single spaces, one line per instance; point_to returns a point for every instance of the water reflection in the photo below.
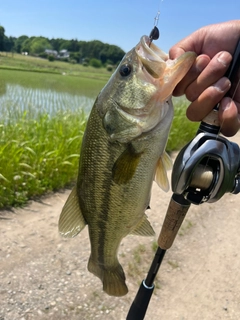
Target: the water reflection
pixel 18 100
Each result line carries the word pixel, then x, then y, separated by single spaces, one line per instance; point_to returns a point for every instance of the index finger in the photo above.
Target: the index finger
pixel 200 63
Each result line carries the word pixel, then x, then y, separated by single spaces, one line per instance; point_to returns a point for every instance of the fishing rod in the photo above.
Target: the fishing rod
pixel 204 170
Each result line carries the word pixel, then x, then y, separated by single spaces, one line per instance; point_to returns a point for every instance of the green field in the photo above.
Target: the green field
pixel 20 62
pixel 42 120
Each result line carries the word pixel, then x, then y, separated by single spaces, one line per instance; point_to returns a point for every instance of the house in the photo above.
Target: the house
pixel 51 52
pixel 63 54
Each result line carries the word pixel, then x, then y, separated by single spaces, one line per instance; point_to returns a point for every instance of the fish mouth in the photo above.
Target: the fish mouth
pixel 152 58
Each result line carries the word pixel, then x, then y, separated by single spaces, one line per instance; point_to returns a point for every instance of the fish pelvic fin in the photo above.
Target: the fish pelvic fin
pixel 143 228
pixel 113 279
pixel 71 220
pixel 164 163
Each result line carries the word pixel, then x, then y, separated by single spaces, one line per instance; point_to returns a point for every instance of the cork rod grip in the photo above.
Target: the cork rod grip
pixel 212 118
pixel 176 212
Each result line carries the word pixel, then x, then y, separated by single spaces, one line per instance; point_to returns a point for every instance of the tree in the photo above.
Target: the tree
pixel 111 52
pixel 9 43
pixel 2 37
pixel 65 45
pixel 74 47
pixel 39 44
pixel 79 50
pixel 96 63
pixel 76 56
pixel 19 42
pixel 27 44
pixel 56 43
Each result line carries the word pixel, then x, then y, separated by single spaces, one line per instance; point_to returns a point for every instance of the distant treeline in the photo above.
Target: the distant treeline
pixel 79 51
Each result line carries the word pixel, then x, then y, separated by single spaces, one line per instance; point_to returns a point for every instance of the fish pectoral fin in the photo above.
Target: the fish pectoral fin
pixel 125 166
pixel 71 220
pixel 143 228
pixel 164 164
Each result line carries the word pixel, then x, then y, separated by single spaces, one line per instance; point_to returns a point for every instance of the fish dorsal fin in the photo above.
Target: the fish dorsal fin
pixel 71 220
pixel 164 164
pixel 143 228
pixel 125 166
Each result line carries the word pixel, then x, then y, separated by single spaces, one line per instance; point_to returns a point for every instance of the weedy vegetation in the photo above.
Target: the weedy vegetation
pixel 154 246
pixel 185 227
pixel 173 264
pixel 44 108
pixel 135 266
pixel 182 130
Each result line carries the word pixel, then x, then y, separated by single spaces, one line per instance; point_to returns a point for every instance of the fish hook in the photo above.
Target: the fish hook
pixel 154 34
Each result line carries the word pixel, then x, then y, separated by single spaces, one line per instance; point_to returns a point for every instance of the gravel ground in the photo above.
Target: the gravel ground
pixel 44 276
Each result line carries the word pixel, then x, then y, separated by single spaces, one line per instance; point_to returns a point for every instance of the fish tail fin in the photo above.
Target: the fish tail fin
pixel 113 279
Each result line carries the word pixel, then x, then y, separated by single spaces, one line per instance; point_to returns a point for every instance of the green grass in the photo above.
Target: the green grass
pixel 39 145
pixel 37 156
pixel 39 148
pixel 28 63
pixel 182 130
pixel 40 153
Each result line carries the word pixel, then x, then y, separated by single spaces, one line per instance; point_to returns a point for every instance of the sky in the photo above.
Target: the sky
pixel 118 22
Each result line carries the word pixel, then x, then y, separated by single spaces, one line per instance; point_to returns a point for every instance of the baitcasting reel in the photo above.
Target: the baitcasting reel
pixel 207 168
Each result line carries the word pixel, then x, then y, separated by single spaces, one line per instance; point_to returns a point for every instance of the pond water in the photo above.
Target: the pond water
pixel 18 100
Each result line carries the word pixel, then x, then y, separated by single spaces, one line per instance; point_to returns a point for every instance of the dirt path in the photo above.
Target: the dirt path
pixel 43 276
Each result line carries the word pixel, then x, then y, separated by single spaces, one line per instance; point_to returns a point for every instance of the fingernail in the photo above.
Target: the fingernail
pixel 224 58
pixel 222 85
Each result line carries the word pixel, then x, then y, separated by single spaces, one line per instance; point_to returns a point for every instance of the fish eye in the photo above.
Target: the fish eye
pixel 125 70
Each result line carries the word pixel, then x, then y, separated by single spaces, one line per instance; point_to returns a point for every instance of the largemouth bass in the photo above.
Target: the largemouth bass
pixel 123 150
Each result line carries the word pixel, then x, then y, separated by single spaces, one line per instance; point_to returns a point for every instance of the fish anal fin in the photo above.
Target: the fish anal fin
pixel 113 279
pixel 167 161
pixel 143 228
pixel 164 163
pixel 125 166
pixel 71 220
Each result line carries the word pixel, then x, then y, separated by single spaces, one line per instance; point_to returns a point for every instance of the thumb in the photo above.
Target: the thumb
pixel 175 52
pixel 229 117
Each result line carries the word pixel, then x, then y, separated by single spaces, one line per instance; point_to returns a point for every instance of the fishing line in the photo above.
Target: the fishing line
pixel 154 34
pixel 156 19
pixel 235 90
pixel 157 15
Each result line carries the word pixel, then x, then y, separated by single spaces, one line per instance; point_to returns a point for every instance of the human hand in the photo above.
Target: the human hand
pixel 205 84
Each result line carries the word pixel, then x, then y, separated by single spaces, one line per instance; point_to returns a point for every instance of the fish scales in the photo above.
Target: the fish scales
pixel 108 197
pixel 122 151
